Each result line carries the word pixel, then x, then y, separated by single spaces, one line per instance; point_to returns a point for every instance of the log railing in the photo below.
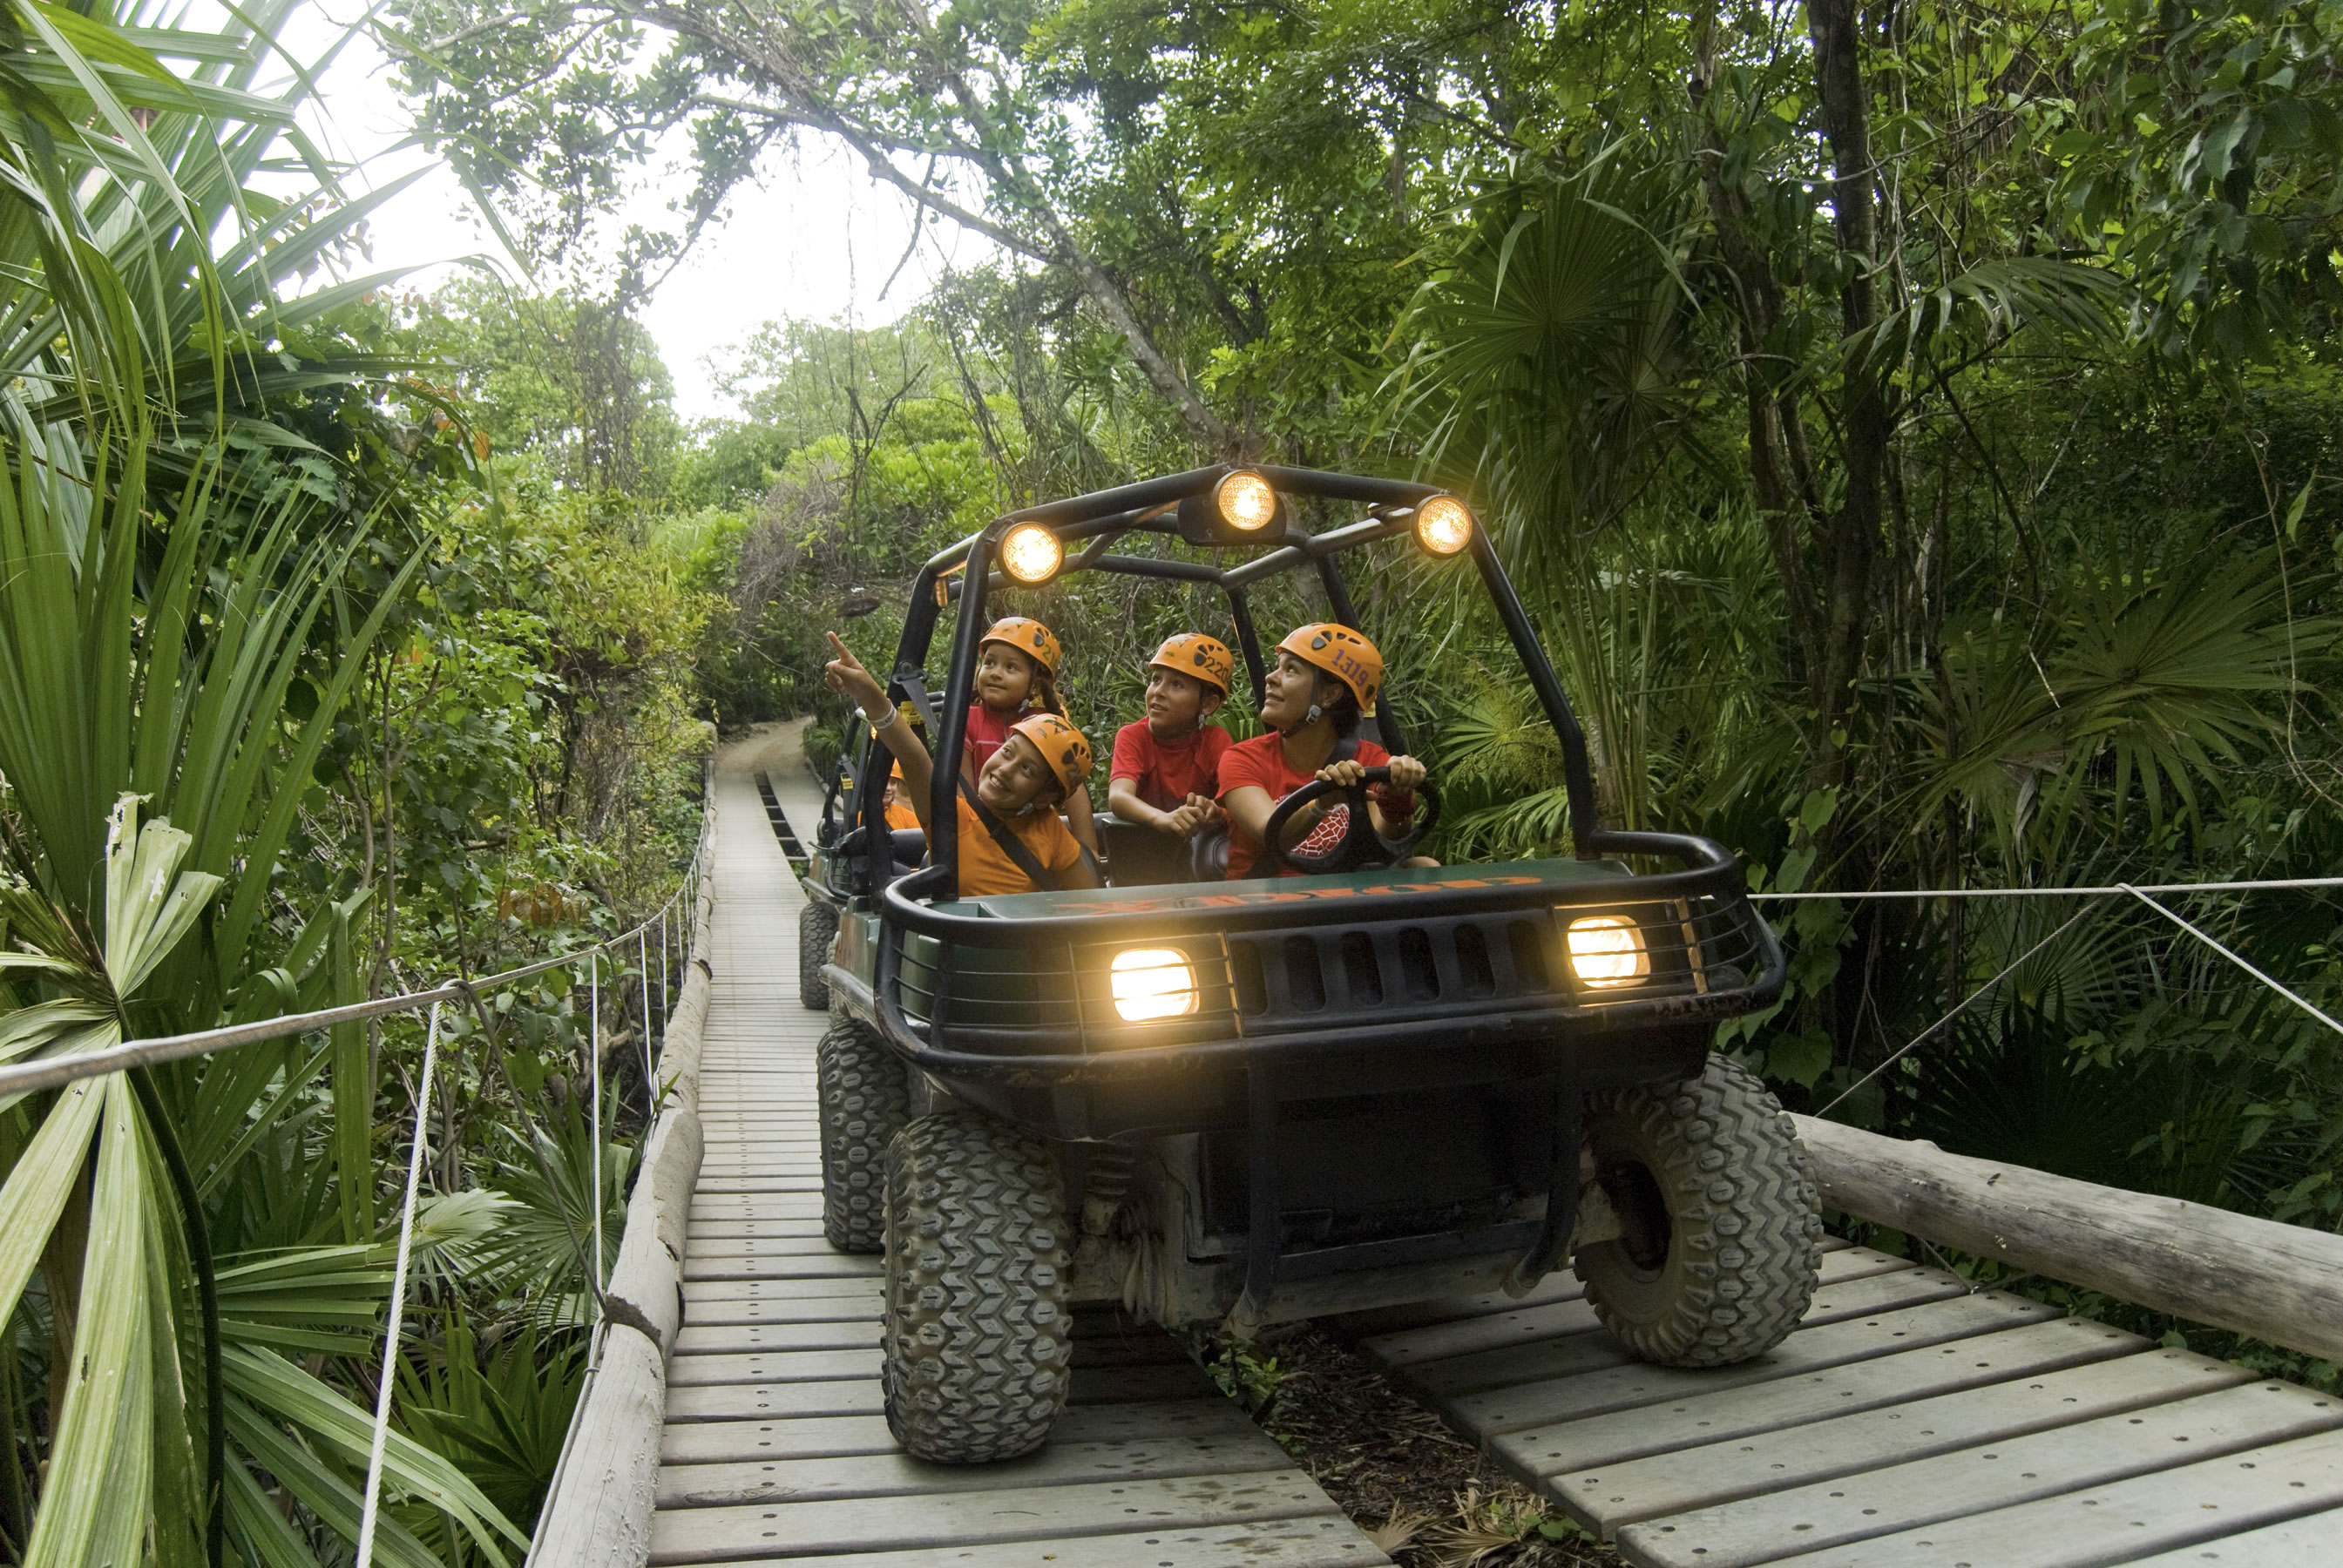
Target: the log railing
pixel 2281 1283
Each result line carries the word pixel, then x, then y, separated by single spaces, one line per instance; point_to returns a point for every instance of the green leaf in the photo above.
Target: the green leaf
pixel 95 1502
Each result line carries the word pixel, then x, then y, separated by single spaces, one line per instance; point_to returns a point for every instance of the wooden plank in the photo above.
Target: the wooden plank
pixel 1981 1478
pixel 766 1245
pixel 1589 1346
pixel 1562 1286
pixel 1542 1403
pixel 967 1518
pixel 706 1339
pixel 1303 1543
pixel 804 1266
pixel 897 1475
pixel 708 1207
pixel 782 1225
pixel 1752 1454
pixel 1569 1314
pixel 772 1401
pixel 774 1365
pixel 724 1312
pixel 2283 1284
pixel 697 1290
pixel 1711 1416
pixel 703 1443
pixel 1586 1346
pixel 2117 1522
pixel 2310 1542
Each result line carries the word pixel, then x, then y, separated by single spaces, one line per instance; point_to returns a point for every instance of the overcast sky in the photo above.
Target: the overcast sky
pixel 818 240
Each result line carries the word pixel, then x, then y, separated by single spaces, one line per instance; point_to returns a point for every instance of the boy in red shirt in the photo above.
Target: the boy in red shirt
pixel 1326 679
pixel 1166 765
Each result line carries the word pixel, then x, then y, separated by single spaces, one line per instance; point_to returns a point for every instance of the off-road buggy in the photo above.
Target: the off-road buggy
pixel 1252 1101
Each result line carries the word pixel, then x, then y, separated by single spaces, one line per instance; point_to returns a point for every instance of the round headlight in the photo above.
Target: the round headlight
pixel 1246 501
pixel 1152 984
pixel 1031 553
pixel 1607 950
pixel 1443 525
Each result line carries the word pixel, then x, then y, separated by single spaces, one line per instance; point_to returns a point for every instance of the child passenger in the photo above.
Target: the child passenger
pixel 1042 760
pixel 1165 765
pixel 1016 678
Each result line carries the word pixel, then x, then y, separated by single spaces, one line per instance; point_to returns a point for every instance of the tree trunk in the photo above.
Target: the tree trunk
pixel 1850 538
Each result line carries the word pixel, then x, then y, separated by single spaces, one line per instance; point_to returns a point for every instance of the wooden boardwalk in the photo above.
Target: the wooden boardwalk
pixel 1907 1424
pixel 1910 1422
pixel 774 1448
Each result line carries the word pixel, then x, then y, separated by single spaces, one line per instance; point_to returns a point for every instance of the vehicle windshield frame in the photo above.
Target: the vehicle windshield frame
pixel 966 572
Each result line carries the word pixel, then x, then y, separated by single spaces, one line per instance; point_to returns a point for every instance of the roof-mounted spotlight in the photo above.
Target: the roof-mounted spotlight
pixel 1031 554
pixel 1443 525
pixel 1246 501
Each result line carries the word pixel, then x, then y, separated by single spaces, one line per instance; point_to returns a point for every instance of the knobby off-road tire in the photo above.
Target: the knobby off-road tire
pixel 816 926
pixel 861 1100
pixel 1721 1225
pixel 976 1338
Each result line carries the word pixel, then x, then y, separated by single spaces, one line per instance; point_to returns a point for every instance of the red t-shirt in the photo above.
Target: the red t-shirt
pixel 987 732
pixel 1165 773
pixel 1260 762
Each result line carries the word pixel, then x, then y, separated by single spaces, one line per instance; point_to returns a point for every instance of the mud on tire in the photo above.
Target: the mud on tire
pixel 816 926
pixel 1721 1222
pixel 861 1100
pixel 976 1346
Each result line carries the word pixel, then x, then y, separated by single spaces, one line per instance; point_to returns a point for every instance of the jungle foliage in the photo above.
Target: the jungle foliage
pixel 1914 431
pixel 308 692
pixel 1914 428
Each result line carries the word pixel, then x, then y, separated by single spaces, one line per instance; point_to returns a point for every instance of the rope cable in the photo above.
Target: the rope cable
pixel 594 1200
pixel 650 1075
pixel 385 1382
pixel 1958 1008
pixel 1876 894
pixel 2215 944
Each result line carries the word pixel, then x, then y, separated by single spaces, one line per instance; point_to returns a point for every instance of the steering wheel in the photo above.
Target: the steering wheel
pixel 1362 842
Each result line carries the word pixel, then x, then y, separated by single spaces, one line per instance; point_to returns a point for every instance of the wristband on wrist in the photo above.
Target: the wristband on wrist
pixel 877 724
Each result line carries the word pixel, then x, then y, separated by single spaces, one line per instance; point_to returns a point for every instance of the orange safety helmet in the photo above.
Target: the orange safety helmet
pixel 1063 747
pixel 1340 653
pixel 1198 656
pixel 1028 637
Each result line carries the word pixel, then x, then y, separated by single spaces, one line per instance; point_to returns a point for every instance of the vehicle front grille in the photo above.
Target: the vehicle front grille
pixel 1391 971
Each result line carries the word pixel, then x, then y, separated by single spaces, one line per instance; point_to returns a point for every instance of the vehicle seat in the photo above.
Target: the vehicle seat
pixel 1139 856
pixel 907 847
pixel 1208 853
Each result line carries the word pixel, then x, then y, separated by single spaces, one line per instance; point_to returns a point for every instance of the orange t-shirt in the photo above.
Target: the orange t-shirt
pixel 984 868
pixel 899 814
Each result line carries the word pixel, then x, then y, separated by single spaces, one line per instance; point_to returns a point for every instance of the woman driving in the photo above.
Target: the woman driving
pixel 1324 681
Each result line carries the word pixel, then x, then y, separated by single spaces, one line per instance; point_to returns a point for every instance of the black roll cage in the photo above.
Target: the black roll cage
pixel 1094 521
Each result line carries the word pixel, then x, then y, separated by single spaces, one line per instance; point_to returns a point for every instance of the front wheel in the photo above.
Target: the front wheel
pixel 1720 1224
pixel 817 928
pixel 976 1344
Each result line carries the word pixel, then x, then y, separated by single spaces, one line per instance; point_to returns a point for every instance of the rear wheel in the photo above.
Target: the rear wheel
pixel 976 1340
pixel 1720 1225
pixel 817 927
pixel 861 1100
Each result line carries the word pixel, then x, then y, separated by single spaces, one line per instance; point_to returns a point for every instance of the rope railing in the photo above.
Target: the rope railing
pixel 56 1072
pixel 2092 895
